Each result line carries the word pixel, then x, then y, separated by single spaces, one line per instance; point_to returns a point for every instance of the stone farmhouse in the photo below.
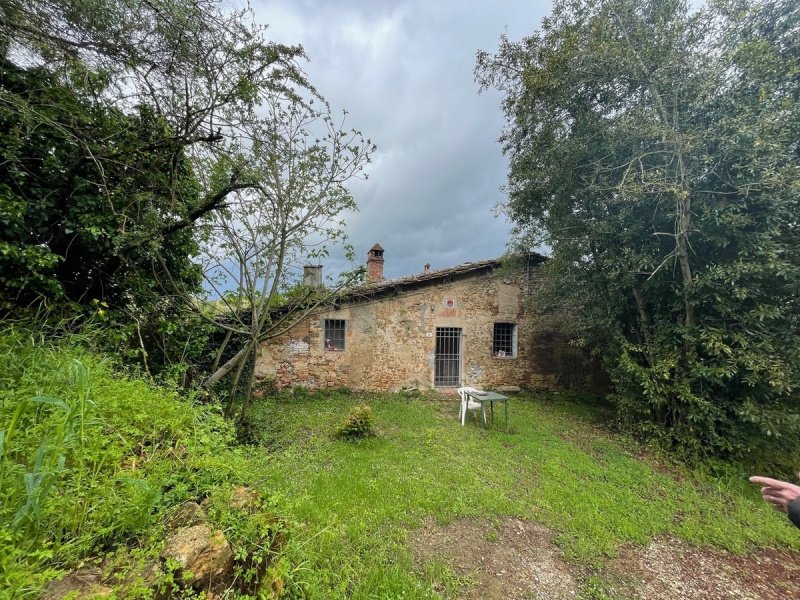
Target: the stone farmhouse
pixel 464 325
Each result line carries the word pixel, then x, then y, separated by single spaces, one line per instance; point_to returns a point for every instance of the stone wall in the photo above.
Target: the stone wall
pixel 390 340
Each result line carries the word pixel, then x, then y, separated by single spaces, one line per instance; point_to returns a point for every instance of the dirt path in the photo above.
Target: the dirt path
pixel 514 560
pixel 672 569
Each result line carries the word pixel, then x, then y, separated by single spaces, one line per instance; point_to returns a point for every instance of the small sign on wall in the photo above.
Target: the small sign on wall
pixel 299 347
pixel 449 302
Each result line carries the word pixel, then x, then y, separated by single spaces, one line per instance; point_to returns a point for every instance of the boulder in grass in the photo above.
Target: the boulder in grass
pixel 245 499
pixel 202 554
pixel 186 515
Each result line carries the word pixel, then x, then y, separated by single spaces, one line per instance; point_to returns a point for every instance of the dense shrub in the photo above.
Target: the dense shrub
pixel 358 424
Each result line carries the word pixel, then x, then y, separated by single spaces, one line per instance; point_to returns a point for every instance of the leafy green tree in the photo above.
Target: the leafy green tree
pixel 654 148
pixel 67 206
pixel 115 108
pixel 112 114
pixel 137 130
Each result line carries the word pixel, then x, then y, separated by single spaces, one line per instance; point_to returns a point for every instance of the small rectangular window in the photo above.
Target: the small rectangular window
pixel 504 342
pixel 334 334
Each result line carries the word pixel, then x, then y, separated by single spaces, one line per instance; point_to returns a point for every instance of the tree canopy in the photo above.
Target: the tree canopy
pixel 112 112
pixel 68 207
pixel 653 147
pixel 136 134
pixel 302 158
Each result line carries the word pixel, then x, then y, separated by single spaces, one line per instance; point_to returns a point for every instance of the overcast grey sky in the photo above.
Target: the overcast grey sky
pixel 404 72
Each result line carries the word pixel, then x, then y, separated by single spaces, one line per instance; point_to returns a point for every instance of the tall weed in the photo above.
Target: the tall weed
pixel 89 458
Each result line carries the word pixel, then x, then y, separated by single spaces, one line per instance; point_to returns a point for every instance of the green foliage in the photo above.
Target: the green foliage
pixel 80 220
pixel 70 208
pixel 163 340
pixel 653 147
pixel 135 162
pixel 358 424
pixel 91 461
pixel 257 537
pixel 122 130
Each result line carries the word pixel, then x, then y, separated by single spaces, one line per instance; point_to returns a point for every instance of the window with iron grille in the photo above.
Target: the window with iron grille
pixel 504 342
pixel 334 334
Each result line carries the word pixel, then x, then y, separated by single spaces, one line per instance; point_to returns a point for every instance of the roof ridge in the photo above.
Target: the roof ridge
pixel 424 276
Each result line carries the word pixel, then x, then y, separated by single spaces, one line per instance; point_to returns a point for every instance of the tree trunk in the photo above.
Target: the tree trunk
pixel 235 385
pixel 226 368
pixel 683 220
pixel 644 324
pixel 220 351
pixel 249 392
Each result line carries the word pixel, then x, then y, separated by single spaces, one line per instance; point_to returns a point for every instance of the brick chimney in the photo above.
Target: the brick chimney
pixel 375 264
pixel 312 276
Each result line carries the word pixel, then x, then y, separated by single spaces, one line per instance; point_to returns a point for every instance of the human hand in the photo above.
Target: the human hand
pixel 777 493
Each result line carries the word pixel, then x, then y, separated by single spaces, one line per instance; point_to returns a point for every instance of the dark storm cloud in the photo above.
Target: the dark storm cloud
pixel 404 72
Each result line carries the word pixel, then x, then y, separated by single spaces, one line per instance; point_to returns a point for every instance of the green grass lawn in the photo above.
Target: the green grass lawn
pixel 93 461
pixel 352 505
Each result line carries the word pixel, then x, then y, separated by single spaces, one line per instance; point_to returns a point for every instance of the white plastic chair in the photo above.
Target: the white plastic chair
pixel 468 403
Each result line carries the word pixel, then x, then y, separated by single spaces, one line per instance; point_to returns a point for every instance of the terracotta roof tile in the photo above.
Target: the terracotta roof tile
pixel 375 288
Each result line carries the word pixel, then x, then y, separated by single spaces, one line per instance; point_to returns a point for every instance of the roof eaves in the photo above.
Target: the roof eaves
pixel 375 289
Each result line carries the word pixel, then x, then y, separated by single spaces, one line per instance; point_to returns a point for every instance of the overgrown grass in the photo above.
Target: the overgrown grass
pixel 91 460
pixel 357 502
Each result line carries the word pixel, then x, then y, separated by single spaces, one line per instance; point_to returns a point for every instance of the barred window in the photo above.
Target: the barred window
pixel 334 334
pixel 504 342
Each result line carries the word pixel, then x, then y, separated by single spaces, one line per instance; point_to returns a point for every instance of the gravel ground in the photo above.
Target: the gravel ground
pixel 513 559
pixel 669 568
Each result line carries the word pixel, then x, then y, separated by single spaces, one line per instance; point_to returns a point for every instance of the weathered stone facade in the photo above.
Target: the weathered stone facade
pixel 390 334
